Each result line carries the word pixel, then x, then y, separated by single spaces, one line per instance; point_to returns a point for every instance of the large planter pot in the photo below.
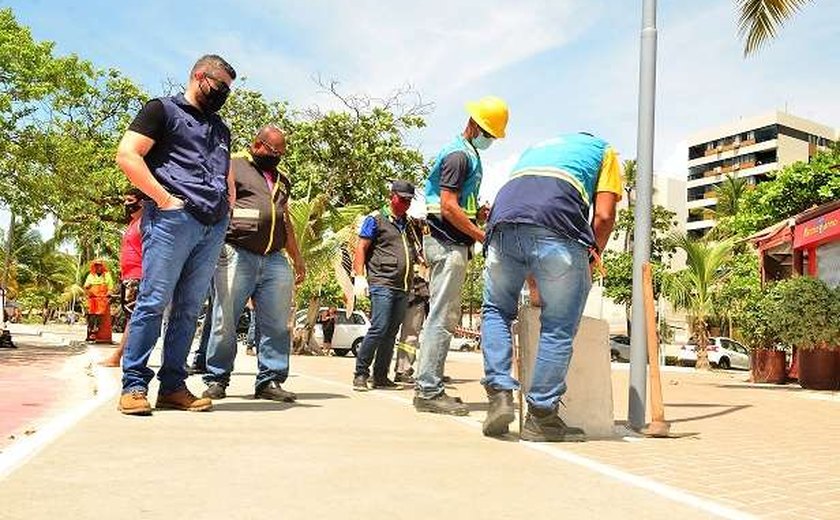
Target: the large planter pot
pixel 768 366
pixel 819 369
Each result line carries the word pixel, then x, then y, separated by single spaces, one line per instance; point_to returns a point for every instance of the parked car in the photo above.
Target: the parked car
pixel 349 331
pixel 619 347
pixel 723 353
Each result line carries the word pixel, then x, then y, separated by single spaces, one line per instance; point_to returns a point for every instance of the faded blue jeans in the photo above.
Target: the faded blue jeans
pixel 448 268
pixel 269 280
pixel 387 310
pixel 179 256
pixel 561 269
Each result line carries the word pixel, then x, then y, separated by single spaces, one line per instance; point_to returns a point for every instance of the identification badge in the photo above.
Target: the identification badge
pixel 246 213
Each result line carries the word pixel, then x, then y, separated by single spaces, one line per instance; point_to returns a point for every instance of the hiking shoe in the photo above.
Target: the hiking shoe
pixel 442 404
pixel 274 392
pixel 183 399
pixel 134 403
pixel 385 384
pixel 404 378
pixel 500 414
pixel 360 383
pixel 547 426
pixel 215 391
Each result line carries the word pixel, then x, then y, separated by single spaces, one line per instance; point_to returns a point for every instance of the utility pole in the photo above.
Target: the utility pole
pixel 644 201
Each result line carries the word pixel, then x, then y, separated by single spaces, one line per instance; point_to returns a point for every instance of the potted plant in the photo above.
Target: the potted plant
pixel 759 328
pixel 809 318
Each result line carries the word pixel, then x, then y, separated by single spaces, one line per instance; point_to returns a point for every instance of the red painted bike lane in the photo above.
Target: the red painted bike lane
pixel 38 380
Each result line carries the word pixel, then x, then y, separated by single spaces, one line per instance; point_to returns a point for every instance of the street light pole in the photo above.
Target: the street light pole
pixel 644 201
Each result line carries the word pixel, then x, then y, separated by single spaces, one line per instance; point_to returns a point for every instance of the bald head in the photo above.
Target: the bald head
pixel 268 146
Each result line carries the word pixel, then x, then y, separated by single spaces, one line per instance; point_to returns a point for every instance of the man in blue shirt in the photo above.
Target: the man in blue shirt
pixel 177 151
pixel 387 249
pixel 549 221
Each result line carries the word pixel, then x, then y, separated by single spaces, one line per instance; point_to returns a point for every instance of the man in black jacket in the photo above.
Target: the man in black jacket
pixel 386 250
pixel 254 263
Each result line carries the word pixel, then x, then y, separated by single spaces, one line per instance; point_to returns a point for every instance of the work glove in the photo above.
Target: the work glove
pixel 360 286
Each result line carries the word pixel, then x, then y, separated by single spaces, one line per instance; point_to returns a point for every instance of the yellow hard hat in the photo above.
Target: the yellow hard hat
pixel 491 114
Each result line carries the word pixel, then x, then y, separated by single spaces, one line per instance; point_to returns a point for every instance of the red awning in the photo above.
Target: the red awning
pixel 819 229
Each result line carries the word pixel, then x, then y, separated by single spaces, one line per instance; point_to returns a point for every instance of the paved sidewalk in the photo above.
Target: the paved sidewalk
pixel 340 454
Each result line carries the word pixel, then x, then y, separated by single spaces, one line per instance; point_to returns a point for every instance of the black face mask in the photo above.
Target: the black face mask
pixel 214 98
pixel 266 162
pixel 130 209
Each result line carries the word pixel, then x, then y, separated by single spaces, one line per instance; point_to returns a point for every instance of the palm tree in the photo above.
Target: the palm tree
pixel 322 231
pixel 692 289
pixel 760 19
pixel 47 275
pixel 729 194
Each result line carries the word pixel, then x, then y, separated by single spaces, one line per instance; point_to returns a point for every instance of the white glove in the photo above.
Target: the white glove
pixel 360 286
pixel 478 248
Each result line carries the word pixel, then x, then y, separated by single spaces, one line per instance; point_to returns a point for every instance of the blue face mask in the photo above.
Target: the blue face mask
pixel 482 143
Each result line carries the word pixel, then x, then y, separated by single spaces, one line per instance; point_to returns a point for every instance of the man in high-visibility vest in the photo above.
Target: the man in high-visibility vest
pixel 452 204
pixel 98 286
pixel 260 260
pixel 550 221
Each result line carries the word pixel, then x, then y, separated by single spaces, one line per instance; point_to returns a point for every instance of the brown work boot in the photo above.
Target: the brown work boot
pixel 183 399
pixel 134 402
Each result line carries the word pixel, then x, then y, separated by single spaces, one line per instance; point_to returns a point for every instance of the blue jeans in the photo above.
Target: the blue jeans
pixel 561 269
pixel 253 337
pixel 387 310
pixel 179 255
pixel 269 280
pixel 200 358
pixel 448 268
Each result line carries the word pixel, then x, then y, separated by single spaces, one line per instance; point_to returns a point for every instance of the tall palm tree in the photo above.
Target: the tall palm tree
pixel 729 194
pixel 759 20
pixel 692 289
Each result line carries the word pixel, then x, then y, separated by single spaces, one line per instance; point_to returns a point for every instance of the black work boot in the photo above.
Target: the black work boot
pixel 500 414
pixel 274 392
pixel 360 383
pixel 544 425
pixel 215 391
pixel 442 404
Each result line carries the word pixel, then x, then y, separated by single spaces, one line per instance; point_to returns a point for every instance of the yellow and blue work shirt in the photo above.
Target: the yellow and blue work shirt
pixel 554 183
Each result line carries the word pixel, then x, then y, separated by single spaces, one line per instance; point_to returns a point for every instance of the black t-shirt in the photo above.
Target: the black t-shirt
pixel 150 121
pixel 453 174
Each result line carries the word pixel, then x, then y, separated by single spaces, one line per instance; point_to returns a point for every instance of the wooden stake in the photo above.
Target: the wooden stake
pixel 658 426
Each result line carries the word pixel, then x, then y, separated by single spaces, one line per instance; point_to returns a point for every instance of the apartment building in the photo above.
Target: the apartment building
pixel 749 148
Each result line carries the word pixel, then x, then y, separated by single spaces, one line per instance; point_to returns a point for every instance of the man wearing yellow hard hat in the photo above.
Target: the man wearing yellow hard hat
pixel 452 204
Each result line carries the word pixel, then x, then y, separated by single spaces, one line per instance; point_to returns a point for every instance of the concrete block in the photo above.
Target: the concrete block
pixel 588 399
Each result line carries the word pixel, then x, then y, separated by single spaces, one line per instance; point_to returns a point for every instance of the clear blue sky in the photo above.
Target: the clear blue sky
pixel 561 65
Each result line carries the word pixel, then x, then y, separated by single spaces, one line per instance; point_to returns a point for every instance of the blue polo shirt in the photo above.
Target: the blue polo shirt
pixel 554 185
pixel 191 154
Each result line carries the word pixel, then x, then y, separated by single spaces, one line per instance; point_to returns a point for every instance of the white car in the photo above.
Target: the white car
pixel 349 331
pixel 723 353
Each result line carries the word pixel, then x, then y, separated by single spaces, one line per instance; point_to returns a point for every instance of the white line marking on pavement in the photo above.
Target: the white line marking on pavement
pixel 25 448
pixel 669 492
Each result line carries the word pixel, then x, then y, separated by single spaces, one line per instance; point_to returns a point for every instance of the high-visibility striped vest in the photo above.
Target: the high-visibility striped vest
pixel 468 197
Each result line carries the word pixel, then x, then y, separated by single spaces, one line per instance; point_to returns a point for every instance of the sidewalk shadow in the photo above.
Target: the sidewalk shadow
pixel 254 405
pixel 787 387
pixel 726 409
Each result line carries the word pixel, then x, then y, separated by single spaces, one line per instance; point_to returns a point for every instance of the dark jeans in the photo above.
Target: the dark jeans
pixel 386 315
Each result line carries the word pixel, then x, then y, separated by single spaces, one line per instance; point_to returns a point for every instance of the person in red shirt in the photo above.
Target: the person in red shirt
pixel 131 265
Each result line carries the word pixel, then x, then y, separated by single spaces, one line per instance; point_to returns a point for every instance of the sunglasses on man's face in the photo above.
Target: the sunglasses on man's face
pixel 274 151
pixel 218 84
pixel 486 134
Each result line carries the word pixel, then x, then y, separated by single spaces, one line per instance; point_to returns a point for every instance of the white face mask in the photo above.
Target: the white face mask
pixel 482 143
